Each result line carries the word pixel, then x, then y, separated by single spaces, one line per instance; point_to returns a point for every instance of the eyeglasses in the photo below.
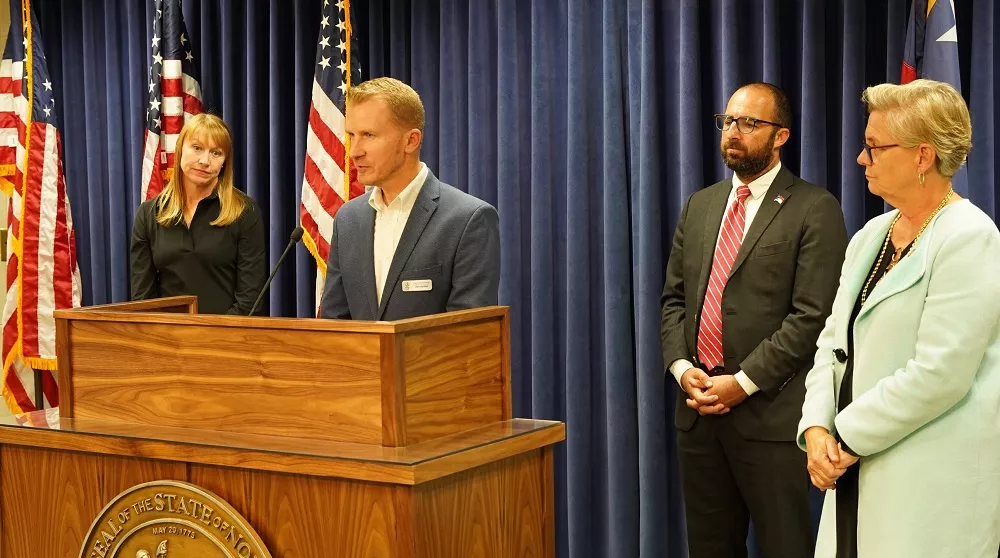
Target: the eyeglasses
pixel 870 148
pixel 745 124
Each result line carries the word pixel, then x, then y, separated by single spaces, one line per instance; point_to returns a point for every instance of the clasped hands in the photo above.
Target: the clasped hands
pixel 711 395
pixel 827 460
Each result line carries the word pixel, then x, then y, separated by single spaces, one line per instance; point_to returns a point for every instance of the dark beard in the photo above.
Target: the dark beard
pixel 753 163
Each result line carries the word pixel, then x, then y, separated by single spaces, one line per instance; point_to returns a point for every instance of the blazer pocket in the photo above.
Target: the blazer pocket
pixel 421 273
pixel 765 250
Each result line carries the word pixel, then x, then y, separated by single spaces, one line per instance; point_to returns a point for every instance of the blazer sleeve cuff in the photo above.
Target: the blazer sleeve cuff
pixel 854 444
pixel 848 449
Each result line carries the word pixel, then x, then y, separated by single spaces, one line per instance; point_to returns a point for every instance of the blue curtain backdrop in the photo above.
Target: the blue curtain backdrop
pixel 587 122
pixel 256 61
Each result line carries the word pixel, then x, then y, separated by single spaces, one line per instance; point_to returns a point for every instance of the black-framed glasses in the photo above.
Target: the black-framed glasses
pixel 745 124
pixel 869 148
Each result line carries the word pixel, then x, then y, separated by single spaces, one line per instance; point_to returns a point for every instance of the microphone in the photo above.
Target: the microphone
pixel 292 241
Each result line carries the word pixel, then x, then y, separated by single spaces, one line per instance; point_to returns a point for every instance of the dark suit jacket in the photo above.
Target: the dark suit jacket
pixel 779 294
pixel 451 238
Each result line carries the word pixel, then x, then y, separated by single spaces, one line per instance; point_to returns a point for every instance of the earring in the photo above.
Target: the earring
pixel 921 178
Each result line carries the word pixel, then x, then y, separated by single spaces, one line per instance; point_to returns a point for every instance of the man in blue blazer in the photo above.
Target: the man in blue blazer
pixel 413 245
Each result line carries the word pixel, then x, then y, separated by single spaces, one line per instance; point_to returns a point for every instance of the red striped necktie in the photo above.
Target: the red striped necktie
pixel 730 240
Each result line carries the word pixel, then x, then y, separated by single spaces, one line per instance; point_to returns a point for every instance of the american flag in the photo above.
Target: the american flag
pixel 42 274
pixel 174 95
pixel 325 185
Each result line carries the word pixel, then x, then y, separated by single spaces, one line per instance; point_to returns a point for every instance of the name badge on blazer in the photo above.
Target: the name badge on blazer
pixel 417 285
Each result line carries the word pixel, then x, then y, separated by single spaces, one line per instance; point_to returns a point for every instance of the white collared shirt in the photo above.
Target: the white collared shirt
pixel 758 188
pixel 390 220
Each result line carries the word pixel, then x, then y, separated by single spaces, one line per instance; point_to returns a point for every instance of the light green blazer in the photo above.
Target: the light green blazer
pixel 926 410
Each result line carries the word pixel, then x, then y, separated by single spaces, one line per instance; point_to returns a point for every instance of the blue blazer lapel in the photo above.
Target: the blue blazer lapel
pixel 423 207
pixel 366 243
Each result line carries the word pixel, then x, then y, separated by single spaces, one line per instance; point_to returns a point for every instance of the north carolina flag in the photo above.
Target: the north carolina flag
pixel 931 52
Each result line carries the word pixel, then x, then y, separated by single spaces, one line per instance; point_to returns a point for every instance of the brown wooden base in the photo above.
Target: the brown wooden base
pixel 501 509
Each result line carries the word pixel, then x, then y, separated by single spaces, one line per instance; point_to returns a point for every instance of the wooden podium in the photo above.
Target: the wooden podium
pixel 332 438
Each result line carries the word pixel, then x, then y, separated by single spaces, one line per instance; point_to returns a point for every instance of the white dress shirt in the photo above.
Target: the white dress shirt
pixel 758 188
pixel 389 223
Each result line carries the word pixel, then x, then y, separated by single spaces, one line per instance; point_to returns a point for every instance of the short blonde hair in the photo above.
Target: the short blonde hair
pixel 926 111
pixel 403 101
pixel 170 202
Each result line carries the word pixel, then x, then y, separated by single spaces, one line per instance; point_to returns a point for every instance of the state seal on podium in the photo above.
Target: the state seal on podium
pixel 171 519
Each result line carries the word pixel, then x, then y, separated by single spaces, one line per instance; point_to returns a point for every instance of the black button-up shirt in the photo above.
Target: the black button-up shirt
pixel 223 266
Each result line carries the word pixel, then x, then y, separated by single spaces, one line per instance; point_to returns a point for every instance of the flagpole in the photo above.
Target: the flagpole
pixel 348 31
pixel 29 79
pixel 39 392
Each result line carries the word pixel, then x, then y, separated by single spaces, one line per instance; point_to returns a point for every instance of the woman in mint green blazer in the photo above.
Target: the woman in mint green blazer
pixel 902 409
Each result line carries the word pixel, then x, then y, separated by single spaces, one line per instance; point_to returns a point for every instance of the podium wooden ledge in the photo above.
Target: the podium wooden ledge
pixel 407 466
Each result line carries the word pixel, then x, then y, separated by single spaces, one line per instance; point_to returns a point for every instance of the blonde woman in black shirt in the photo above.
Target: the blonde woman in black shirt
pixel 200 236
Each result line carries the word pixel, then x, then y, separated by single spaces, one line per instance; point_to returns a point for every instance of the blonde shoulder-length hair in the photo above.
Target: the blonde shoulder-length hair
pixel 232 202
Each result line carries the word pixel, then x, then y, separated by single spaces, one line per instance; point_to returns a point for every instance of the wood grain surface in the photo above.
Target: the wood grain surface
pixel 407 466
pixel 251 381
pixel 493 511
pixel 64 374
pixel 123 312
pixel 172 304
pixel 308 516
pixel 393 391
pixel 50 498
pixel 501 508
pixel 454 379
pixel 394 383
pixel 424 323
pixel 507 408
pixel 332 438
